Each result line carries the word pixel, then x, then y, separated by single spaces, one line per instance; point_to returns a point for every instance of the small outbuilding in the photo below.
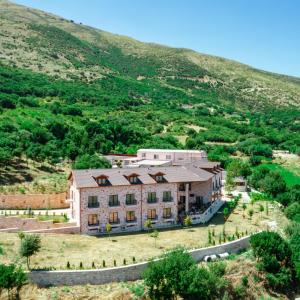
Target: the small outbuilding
pixel 240 184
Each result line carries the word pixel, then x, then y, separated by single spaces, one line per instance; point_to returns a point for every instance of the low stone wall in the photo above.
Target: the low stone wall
pixel 24 223
pixel 15 223
pixel 126 273
pixel 34 201
pixel 73 229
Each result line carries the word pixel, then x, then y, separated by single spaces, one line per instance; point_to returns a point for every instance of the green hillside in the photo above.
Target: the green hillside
pixel 68 89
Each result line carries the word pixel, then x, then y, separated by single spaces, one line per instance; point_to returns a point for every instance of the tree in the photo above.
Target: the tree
pixel 30 244
pixel 12 276
pixel 187 221
pixel 155 235
pixel 261 209
pixel 226 213
pixel 175 273
pixel 273 184
pixel 148 224
pixel 244 208
pixel 93 161
pixel 108 228
pixel 163 277
pixel 250 213
pixel 275 258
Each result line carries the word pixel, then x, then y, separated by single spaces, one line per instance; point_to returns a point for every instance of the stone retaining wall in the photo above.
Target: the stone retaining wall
pixel 126 273
pixel 72 229
pixel 15 223
pixel 34 201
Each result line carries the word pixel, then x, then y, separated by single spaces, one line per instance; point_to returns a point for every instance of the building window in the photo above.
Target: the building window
pixel 130 199
pixel 113 200
pixel 133 179
pixel 152 197
pixel 167 213
pixel 167 196
pixel 130 216
pixel 181 187
pixel 151 214
pixel 159 178
pixel 181 199
pixel 155 156
pixel 93 202
pixel 93 220
pixel 113 218
pixel 102 181
pixel 168 156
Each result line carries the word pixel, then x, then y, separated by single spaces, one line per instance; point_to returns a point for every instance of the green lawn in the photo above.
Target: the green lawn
pixel 290 177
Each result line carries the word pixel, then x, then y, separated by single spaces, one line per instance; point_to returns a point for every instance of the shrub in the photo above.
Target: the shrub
pixel 293 211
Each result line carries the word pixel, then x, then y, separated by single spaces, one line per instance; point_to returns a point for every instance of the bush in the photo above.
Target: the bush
pixel 12 276
pixel 275 258
pixel 93 161
pixel 293 211
pixel 163 277
pixel 176 273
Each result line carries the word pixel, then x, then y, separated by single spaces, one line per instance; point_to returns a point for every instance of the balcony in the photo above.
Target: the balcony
pixel 133 220
pixel 152 200
pixel 113 203
pixel 114 222
pixel 131 202
pixel 93 224
pixel 168 199
pixel 93 205
pixel 170 216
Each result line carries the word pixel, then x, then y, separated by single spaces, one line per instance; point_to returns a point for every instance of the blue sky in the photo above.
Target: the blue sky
pixel 261 33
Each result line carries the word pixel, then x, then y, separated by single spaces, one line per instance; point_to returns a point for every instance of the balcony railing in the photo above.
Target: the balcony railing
pixel 93 224
pixel 131 202
pixel 152 200
pixel 93 205
pixel 168 199
pixel 167 216
pixel 133 220
pixel 114 203
pixel 114 221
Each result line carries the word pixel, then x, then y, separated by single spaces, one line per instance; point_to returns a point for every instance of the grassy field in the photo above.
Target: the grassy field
pixel 290 171
pixel 57 250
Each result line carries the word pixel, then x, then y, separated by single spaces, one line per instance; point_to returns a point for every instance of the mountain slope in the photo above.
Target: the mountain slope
pixel 49 44
pixel 67 90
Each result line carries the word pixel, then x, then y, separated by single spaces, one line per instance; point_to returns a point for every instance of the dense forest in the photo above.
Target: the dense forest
pixel 52 119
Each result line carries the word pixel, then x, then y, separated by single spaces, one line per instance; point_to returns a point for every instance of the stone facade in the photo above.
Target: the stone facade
pixel 140 209
pixel 34 201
